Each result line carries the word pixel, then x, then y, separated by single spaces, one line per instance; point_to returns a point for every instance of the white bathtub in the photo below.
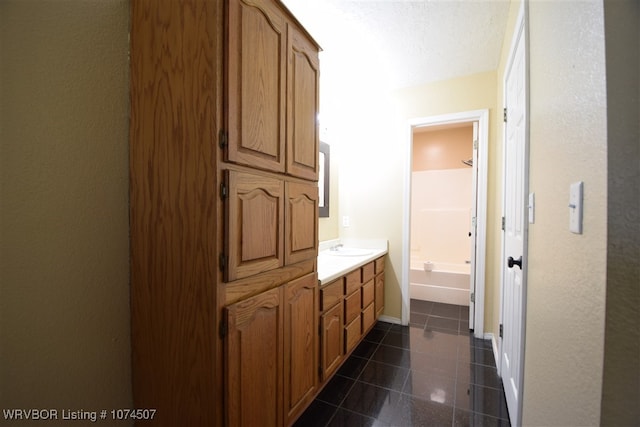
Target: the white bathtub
pixel 448 283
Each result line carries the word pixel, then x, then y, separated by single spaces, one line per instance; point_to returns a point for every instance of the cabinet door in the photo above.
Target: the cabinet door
pixel 379 298
pixel 256 84
pixel 302 106
pixel 331 340
pixel 255 224
pixel 254 361
pixel 300 344
pixel 301 219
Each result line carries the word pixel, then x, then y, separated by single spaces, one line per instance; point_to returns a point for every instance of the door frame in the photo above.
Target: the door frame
pixel 521 30
pixel 482 117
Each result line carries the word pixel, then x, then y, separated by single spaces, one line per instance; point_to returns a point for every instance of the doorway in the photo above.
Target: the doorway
pixel 442 206
pixel 478 119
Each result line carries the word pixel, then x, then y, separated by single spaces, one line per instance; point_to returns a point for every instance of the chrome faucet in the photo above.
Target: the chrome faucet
pixel 336 247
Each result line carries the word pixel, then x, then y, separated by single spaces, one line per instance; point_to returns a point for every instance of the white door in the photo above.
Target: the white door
pixel 515 226
pixel 473 228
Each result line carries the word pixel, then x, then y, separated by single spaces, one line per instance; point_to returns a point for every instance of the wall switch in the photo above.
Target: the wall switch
pixel 532 207
pixel 575 207
pixel 345 221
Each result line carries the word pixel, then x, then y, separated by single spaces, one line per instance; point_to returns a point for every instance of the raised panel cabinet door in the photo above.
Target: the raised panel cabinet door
pixel 254 213
pixel 301 219
pixel 379 298
pixel 300 344
pixel 331 340
pixel 256 84
pixel 302 106
pixel 254 360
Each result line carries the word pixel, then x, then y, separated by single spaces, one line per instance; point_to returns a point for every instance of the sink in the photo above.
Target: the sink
pixel 349 252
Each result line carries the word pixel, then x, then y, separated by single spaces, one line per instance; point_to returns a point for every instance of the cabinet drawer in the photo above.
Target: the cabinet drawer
pixel 352 281
pixel 368 292
pixel 368 317
pixel 352 334
pixel 379 265
pixel 368 272
pixel 331 294
pixel 352 306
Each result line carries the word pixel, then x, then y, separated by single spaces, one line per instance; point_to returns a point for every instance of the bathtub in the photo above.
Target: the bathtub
pixel 448 283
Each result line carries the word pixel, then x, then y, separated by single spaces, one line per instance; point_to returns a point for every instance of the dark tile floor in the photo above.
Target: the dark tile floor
pixel 430 373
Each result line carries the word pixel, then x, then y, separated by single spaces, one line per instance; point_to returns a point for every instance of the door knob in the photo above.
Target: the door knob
pixel 511 262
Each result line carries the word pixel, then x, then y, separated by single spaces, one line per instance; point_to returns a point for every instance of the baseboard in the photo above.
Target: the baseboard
pixel 390 319
pixel 494 346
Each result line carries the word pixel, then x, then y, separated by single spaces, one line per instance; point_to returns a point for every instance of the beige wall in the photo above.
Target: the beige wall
pixel 372 153
pixel 621 379
pixel 467 93
pixel 566 272
pixel 64 294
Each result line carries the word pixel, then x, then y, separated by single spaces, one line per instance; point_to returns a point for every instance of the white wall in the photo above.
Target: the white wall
pixel 441 215
pixel 566 282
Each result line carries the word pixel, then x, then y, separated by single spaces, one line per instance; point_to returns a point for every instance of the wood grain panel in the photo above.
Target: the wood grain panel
pixel 368 318
pixel 352 334
pixel 300 344
pixel 254 361
pixel 368 272
pixel 352 281
pixel 368 291
pixel 352 306
pixel 255 230
pixel 175 76
pixel 244 288
pixel 256 78
pixel 302 106
pixel 332 293
pixel 331 344
pixel 379 298
pixel 301 220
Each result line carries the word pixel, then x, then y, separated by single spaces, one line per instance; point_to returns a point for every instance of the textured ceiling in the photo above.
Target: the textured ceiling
pixel 420 41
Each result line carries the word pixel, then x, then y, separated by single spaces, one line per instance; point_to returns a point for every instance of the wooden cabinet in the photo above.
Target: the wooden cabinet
pixel 331 341
pixel 379 286
pixel 270 194
pixel 349 308
pixel 270 223
pixel 300 344
pixel 271 354
pixel 255 224
pixel 303 148
pixel 272 91
pixel 224 201
pixel 301 215
pixel 254 360
pixel 256 84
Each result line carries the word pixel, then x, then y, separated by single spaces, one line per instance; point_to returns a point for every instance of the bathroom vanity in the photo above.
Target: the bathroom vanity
pixel 351 280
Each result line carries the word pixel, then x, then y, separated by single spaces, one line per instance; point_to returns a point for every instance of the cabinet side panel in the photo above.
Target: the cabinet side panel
pixel 175 62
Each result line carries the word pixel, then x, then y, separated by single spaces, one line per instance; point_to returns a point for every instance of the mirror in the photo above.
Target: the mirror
pixel 323 181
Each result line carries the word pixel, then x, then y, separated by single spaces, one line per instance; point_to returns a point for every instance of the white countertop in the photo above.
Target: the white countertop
pixel 332 265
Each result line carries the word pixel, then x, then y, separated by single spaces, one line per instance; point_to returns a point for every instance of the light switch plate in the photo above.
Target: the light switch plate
pixel 575 207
